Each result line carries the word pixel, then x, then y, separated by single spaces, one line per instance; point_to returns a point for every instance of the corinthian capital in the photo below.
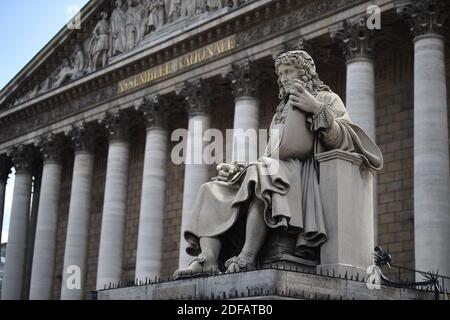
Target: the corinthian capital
pixel 155 110
pixel 244 79
pixel 116 124
pixel 82 137
pixel 424 16
pixel 199 96
pixel 50 147
pixel 5 168
pixel 355 38
pixel 22 158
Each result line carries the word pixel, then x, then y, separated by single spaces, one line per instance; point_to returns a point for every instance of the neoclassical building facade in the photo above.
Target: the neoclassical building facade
pixel 88 126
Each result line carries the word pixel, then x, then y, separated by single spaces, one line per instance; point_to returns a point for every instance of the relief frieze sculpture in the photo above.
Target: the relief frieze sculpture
pixel 120 30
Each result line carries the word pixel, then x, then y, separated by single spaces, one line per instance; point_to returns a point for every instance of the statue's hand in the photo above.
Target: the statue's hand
pixel 302 99
pixel 226 171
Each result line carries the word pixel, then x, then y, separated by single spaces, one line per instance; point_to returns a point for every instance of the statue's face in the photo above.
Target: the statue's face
pixel 287 73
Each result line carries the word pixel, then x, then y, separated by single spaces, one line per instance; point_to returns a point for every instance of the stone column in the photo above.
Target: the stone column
pixel 45 242
pixel 199 101
pixel 431 155
pixel 244 81
pixel 357 43
pixel 114 205
pixel 151 217
pixel 32 223
pixel 5 170
pixel 76 250
pixel 17 240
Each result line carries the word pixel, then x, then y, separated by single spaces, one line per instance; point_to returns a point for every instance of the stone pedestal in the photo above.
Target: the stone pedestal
pixel 347 196
pixel 269 284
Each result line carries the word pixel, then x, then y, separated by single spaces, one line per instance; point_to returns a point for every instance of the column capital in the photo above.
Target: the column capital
pixel 244 79
pixel 155 110
pixel 116 124
pixel 82 137
pixel 50 146
pixel 22 158
pixel 355 39
pixel 199 96
pixel 424 16
pixel 5 167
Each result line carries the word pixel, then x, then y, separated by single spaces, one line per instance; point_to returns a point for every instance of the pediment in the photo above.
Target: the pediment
pixel 108 31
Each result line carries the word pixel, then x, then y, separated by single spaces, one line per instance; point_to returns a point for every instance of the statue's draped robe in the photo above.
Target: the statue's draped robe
pixel 291 194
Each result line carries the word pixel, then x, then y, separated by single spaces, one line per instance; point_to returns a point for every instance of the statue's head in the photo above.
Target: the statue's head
pixel 118 3
pixel 298 65
pixel 104 15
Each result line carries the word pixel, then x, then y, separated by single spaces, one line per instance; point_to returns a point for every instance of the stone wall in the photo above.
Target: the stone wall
pixel 394 118
pixel 135 171
pixel 63 214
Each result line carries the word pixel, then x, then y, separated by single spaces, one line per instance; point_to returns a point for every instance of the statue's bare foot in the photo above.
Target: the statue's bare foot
pixel 237 264
pixel 200 266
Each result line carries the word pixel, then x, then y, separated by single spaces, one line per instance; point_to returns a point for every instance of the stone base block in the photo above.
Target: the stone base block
pixel 264 284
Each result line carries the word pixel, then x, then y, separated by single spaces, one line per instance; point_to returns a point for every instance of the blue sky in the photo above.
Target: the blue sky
pixel 26 26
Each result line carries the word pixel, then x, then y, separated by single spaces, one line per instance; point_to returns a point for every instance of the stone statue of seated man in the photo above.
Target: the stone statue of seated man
pixel 233 215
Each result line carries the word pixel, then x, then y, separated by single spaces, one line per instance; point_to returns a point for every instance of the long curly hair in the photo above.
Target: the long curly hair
pixel 306 69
